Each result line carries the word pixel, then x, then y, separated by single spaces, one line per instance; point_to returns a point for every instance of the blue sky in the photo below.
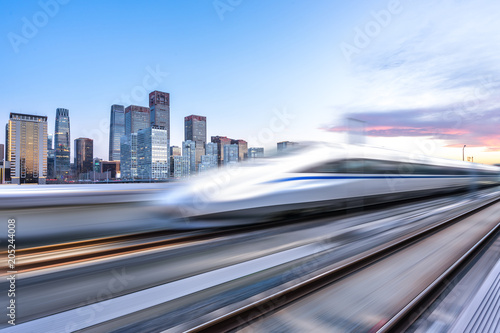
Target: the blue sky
pixel 264 71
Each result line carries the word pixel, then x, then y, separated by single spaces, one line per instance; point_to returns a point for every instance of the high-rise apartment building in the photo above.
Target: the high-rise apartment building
pixel 62 144
pixel 27 140
pixel 255 152
pixel 116 131
pixel 230 154
pixel 159 104
pixel 2 149
pixel 153 153
pixel 195 129
pixel 136 118
pixel 84 155
pixel 221 141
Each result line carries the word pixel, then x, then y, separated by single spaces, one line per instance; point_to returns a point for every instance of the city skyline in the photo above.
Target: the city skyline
pixel 243 77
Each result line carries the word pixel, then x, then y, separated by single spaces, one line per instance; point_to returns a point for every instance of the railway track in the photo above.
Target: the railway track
pixel 409 314
pixel 43 257
pixel 249 313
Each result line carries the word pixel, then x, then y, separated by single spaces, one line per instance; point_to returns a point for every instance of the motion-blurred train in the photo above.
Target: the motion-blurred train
pixel 315 177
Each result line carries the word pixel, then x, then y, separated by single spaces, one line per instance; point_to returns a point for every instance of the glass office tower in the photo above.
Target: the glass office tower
pixel 116 131
pixel 62 144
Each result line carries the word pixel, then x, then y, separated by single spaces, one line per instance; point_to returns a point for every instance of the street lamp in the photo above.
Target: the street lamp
pixel 463 152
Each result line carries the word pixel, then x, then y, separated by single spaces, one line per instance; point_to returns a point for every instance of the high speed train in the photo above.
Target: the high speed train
pixel 315 177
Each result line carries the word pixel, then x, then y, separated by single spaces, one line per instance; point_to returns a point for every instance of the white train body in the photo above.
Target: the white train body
pixel 315 177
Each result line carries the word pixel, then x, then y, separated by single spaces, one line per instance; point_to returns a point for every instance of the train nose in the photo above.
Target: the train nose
pixel 182 204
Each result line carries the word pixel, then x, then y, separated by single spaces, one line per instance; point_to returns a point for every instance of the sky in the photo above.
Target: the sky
pixel 422 76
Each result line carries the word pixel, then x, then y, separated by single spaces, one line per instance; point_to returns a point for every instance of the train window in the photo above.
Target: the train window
pixel 353 166
pixel 382 167
pixel 342 166
pixel 330 167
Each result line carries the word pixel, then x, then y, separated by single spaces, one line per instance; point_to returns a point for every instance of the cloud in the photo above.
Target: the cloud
pixel 434 53
pixel 434 72
pixel 455 126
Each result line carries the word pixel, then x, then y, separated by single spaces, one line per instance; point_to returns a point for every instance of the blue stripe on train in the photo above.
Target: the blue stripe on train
pixel 368 177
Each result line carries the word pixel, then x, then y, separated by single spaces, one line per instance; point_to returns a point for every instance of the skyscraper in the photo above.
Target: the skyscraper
pixel 50 157
pixel 230 154
pixel 27 148
pixel 242 149
pixel 189 150
pixel 221 141
pixel 116 131
pixel 128 156
pixel 159 104
pixel 153 153
pixel 62 143
pixel 195 129
pixel 136 118
pixel 2 149
pixel 7 152
pixel 84 155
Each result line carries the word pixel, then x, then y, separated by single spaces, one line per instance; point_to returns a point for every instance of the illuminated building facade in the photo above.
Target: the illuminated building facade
pixel 27 139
